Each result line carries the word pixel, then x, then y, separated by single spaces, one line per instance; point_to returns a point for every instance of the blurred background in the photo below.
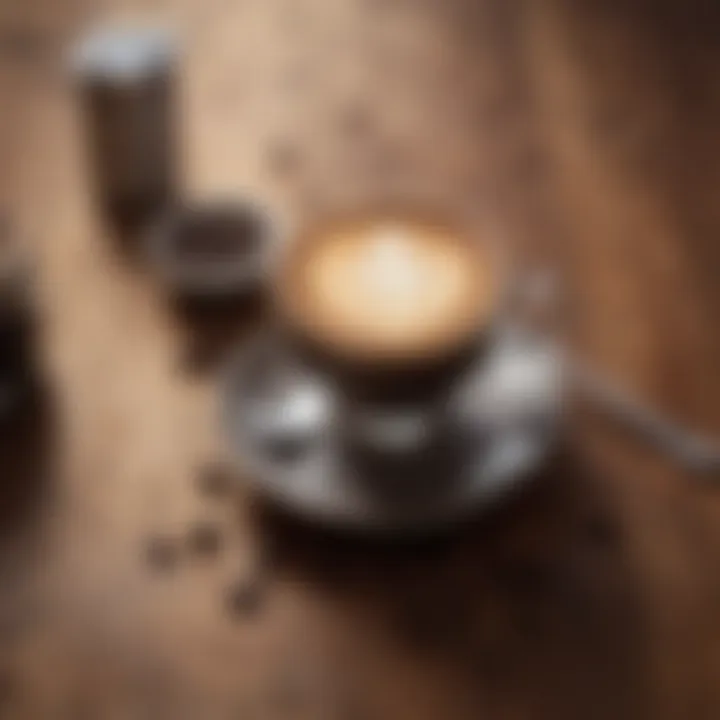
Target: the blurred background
pixel 137 579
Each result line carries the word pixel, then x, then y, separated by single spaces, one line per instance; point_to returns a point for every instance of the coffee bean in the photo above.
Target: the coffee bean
pixel 161 553
pixel 245 598
pixel 204 539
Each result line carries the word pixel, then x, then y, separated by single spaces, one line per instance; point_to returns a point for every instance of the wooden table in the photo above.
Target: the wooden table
pixel 585 133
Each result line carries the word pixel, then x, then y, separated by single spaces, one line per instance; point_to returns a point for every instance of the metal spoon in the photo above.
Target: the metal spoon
pixel 692 451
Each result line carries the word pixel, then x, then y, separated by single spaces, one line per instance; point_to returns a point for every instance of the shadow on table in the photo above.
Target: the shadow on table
pixel 27 463
pixel 536 601
pixel 213 328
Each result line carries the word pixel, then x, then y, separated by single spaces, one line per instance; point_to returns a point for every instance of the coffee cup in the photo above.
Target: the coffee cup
pixel 392 306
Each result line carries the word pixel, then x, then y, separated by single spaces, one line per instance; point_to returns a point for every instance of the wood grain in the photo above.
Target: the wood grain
pixel 585 134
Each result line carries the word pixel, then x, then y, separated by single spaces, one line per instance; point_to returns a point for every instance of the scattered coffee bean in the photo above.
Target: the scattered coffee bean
pixel 161 553
pixel 204 539
pixel 215 480
pixel 245 598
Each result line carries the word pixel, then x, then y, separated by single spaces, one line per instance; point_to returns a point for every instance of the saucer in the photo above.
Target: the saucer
pixel 283 425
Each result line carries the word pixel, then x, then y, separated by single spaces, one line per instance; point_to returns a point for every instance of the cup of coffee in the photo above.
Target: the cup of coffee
pixel 391 305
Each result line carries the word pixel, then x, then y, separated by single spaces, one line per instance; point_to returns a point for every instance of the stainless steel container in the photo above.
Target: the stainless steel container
pixel 127 77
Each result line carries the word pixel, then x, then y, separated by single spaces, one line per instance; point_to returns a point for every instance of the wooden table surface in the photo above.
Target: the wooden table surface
pixel 584 132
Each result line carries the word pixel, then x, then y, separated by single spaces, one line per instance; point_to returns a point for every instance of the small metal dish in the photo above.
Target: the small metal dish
pixel 214 251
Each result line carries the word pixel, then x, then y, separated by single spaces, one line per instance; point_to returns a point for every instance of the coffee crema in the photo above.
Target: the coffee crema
pixel 388 288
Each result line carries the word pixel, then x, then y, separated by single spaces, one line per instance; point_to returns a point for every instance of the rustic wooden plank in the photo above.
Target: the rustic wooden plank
pixel 585 132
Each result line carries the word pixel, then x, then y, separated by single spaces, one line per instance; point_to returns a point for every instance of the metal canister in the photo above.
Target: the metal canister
pixel 127 79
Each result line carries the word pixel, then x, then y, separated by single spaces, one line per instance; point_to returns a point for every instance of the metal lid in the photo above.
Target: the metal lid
pixel 124 53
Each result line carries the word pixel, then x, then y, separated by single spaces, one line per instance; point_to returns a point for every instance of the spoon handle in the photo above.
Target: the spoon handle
pixel 691 450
